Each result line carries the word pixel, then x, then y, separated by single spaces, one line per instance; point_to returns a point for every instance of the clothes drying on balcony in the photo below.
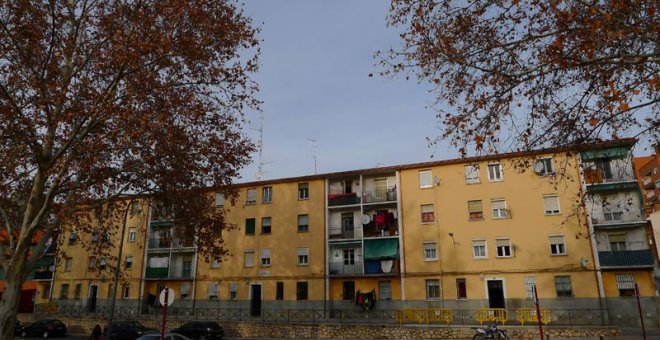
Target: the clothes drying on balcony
pixel 366 300
pixel 158 262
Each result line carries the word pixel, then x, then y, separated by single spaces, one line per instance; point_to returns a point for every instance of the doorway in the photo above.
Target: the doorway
pixel 349 290
pixel 255 299
pixel 495 293
pixel 91 299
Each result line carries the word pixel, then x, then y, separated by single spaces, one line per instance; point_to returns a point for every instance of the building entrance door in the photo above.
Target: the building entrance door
pixel 91 300
pixel 495 294
pixel 255 300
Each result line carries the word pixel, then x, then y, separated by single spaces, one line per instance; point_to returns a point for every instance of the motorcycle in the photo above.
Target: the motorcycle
pixel 490 332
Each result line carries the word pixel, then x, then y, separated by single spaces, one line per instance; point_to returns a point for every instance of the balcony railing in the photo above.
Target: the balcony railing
pixel 165 243
pixel 648 182
pixel 45 275
pixel 351 234
pixel 379 196
pixel 165 273
pixel 616 175
pixel 339 268
pixel 626 258
pixel 617 218
pixel 343 199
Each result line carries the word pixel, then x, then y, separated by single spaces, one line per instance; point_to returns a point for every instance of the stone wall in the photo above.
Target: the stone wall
pixel 347 331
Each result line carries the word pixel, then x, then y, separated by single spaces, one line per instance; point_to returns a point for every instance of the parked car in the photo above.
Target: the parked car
pixel 168 336
pixel 126 330
pixel 201 330
pixel 44 328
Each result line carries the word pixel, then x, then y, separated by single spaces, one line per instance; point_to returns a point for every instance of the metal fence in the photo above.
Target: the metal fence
pixel 573 317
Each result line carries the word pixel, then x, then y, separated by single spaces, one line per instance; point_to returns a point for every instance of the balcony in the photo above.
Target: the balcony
pixel 335 200
pixel 651 195
pixel 165 243
pixel 343 235
pixel 166 273
pixel 338 268
pixel 647 182
pixel 379 196
pixel 626 258
pixel 618 219
pixel 44 275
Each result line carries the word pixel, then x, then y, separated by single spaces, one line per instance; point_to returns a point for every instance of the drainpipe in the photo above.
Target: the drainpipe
pixel 144 258
pixel 326 283
pixel 602 301
pixel 399 214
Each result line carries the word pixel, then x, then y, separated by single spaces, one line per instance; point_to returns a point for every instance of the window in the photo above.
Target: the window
pixel 279 291
pixel 91 263
pixel 233 291
pixel 185 291
pixel 95 236
pixel 250 224
pixel 214 291
pixel 461 289
pixel 551 204
pixel 626 285
pixel 432 289
pixel 425 179
pixel 476 210
pixel 385 290
pixel 251 196
pixel 349 257
pixel 135 208
pixel 303 191
pixel 110 290
pixel 617 241
pixel 132 234
pixel 64 291
pixel 301 290
pixel 266 225
pixel 430 251
pixel 265 257
pixel 77 291
pixel 479 249
pixel 303 223
pixel 68 264
pixel 303 256
pixel 129 262
pixel 249 258
pixel 126 291
pixel 605 168
pixel 494 172
pixel 428 215
pixel 530 282
pixel 348 290
pixel 557 245
pixel 472 174
pixel 73 237
pixel 563 286
pixel 103 263
pixel 503 247
pixel 219 200
pixel 267 194
pixel 544 167
pixel 613 215
pixel 347 222
pixel 498 206
pixel 46 291
pixel 216 262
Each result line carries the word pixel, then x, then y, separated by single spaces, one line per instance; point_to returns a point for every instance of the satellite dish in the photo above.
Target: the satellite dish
pixel 366 219
pixel 539 167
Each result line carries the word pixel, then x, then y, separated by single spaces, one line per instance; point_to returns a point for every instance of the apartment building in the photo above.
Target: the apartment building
pixel 461 234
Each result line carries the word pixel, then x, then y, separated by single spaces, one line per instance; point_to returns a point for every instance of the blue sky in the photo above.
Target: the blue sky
pixel 314 82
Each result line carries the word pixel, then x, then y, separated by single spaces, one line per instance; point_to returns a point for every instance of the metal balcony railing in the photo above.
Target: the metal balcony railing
pixel 339 268
pixel 626 258
pixel 165 273
pixel 379 196
pixel 616 218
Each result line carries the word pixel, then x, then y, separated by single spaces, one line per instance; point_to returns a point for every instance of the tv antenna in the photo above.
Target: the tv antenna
pixel 260 171
pixel 314 150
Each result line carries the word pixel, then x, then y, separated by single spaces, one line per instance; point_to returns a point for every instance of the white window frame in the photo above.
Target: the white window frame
pixel 267 195
pixel 425 211
pixel 184 291
pixel 548 166
pixel 529 282
pixel 425 179
pixel 430 248
pixel 470 218
pixel 251 196
pixel 432 283
pixel 269 225
pixel 303 218
pixel 551 211
pixel 302 255
pixel 470 172
pixel 557 245
pixel 495 176
pixel 265 258
pixel 303 191
pixel 129 259
pixel 213 291
pixel 219 200
pixel 499 213
pixel 569 282
pixel 132 234
pixel 507 249
pixel 478 243
pixel 232 292
pixel 248 258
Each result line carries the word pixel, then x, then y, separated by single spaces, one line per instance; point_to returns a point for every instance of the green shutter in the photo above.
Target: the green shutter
pixel 249 226
pixel 592 155
pixel 381 249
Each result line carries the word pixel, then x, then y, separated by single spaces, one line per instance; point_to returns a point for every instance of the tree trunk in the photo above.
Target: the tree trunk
pixel 10 296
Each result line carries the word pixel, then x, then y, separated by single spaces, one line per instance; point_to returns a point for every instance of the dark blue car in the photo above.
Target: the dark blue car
pixel 44 328
pixel 126 330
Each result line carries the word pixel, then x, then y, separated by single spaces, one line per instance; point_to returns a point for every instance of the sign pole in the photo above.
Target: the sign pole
pixel 162 329
pixel 538 311
pixel 639 307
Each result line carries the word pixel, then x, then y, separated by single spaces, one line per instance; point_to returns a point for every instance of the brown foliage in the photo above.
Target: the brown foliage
pixel 519 75
pixel 99 99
